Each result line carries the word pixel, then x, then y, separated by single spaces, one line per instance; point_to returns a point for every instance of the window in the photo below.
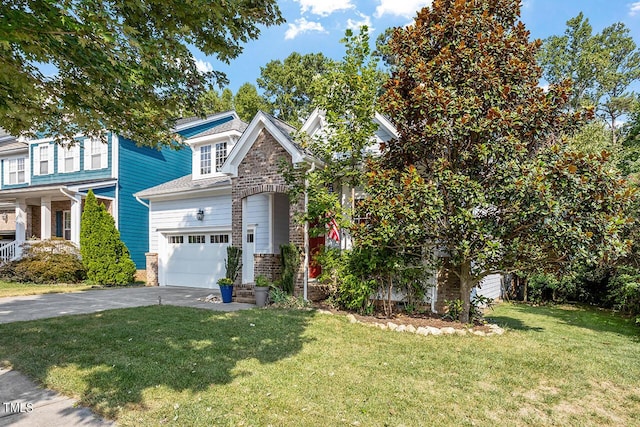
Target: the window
pixel 66 224
pixel 250 237
pixel 68 158
pixel 221 155
pixel 43 151
pixel 205 160
pixel 15 171
pixel 95 154
pixel 197 239
pixel 220 238
pixel 176 239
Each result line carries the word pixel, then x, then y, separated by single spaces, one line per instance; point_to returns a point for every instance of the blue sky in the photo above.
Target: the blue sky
pixel 318 26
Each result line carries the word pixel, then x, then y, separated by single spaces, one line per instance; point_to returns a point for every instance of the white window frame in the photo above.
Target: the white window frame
pixel 95 148
pixel 12 169
pixel 206 159
pixel 68 152
pixel 221 155
pixel 66 225
pixel 39 161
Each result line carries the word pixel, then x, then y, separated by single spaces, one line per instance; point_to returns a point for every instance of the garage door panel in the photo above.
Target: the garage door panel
pixel 193 264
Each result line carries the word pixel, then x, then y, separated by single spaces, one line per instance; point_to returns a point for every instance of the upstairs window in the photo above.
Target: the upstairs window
pixel 221 155
pixel 205 160
pixel 68 158
pixel 43 159
pixel 15 171
pixel 95 154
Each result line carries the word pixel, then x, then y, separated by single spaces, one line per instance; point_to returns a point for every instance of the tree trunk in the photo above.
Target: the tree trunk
pixel 466 283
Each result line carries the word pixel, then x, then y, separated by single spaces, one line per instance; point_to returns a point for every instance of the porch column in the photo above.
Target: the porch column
pixel 45 218
pixel 21 225
pixel 76 215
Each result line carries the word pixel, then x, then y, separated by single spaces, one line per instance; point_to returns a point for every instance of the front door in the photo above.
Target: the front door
pixel 248 248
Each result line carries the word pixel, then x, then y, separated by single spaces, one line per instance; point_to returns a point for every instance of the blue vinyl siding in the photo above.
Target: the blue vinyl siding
pixel 142 168
pixel 81 175
pixel 105 192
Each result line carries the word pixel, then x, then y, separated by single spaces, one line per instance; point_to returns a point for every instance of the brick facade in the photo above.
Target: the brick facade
pixel 258 173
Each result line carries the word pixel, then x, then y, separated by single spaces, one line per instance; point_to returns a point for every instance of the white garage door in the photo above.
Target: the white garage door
pixel 194 260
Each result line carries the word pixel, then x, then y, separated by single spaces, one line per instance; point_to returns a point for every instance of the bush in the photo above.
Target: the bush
pixel 624 291
pixel 104 255
pixel 290 259
pixel 48 261
pixel 547 288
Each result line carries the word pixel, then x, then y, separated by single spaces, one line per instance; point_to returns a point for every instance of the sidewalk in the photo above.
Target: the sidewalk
pixel 24 404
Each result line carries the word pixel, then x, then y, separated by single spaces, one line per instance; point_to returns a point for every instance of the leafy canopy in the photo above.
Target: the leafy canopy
pixel 487 142
pixel 121 65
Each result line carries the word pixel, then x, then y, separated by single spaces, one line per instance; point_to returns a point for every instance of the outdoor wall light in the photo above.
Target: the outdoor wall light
pixel 200 215
pixel 5 216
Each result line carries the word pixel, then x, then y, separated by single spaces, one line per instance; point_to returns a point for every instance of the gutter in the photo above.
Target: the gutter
pixel 71 196
pixel 141 202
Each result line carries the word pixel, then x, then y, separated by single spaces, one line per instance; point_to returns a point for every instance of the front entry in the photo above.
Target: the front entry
pixel 248 249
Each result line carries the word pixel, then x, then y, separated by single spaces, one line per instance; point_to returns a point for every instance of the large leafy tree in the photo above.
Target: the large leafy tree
pixel 288 84
pixel 601 66
pixel 487 142
pixel 247 102
pixel 82 66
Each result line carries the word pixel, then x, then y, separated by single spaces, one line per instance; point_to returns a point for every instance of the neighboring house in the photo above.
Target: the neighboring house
pixel 43 184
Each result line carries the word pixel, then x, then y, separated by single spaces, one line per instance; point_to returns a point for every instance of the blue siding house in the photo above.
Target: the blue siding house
pixel 43 185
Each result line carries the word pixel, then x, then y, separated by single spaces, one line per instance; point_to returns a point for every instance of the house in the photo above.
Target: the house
pixel 240 200
pixel 43 184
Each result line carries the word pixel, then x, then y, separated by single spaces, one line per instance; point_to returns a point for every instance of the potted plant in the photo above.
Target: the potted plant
pixel 232 266
pixel 261 290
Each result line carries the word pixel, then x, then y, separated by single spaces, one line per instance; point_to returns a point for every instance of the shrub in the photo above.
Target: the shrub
pixel 47 261
pixel 624 291
pixel 476 312
pixel 105 257
pixel 290 259
pixel 233 263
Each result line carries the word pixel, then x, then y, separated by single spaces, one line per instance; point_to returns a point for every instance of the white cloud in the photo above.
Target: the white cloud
pixel 404 8
pixel 302 26
pixel 324 7
pixel 355 25
pixel 634 8
pixel 204 66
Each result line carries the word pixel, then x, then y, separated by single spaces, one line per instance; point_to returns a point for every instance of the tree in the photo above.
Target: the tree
pixel 247 102
pixel 602 67
pixel 213 102
pixel 487 142
pixel 120 65
pixel 287 85
pixel 104 255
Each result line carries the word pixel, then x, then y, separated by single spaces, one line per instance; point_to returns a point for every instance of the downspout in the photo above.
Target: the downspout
pixel 306 233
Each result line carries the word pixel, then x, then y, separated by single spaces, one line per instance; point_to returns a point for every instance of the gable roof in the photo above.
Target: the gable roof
pixel 316 122
pixel 236 125
pixel 281 131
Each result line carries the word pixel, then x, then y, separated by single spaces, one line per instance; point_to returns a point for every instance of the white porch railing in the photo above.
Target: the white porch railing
pixel 8 251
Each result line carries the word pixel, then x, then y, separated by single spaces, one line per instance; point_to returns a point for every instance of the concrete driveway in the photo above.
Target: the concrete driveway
pixel 15 309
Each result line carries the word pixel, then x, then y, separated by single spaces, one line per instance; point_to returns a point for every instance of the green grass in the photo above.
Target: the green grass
pixel 13 289
pixel 563 366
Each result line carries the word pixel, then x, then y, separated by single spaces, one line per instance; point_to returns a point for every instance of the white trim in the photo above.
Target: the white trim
pixel 94 185
pixel 190 193
pixel 115 153
pixel 386 125
pixel 213 138
pixel 190 230
pixel 75 150
pixel 271 207
pixel 260 122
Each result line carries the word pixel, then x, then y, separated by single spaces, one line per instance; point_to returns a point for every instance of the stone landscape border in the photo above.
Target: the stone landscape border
pixel 424 330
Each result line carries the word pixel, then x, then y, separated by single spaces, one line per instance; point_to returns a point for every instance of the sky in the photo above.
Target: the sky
pixel 318 25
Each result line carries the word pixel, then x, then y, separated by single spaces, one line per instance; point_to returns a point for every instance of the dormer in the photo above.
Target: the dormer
pixel 211 147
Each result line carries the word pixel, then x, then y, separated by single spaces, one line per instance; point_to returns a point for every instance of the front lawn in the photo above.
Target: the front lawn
pixel 14 289
pixel 178 366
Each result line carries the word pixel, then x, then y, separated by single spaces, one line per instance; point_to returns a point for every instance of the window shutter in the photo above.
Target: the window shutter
pixel 5 174
pixel 104 155
pixel 60 151
pixel 87 153
pixel 51 152
pixel 36 159
pixel 76 157
pixel 58 223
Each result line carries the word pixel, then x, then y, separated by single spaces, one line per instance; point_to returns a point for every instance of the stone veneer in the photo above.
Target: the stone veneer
pixel 151 269
pixel 258 173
